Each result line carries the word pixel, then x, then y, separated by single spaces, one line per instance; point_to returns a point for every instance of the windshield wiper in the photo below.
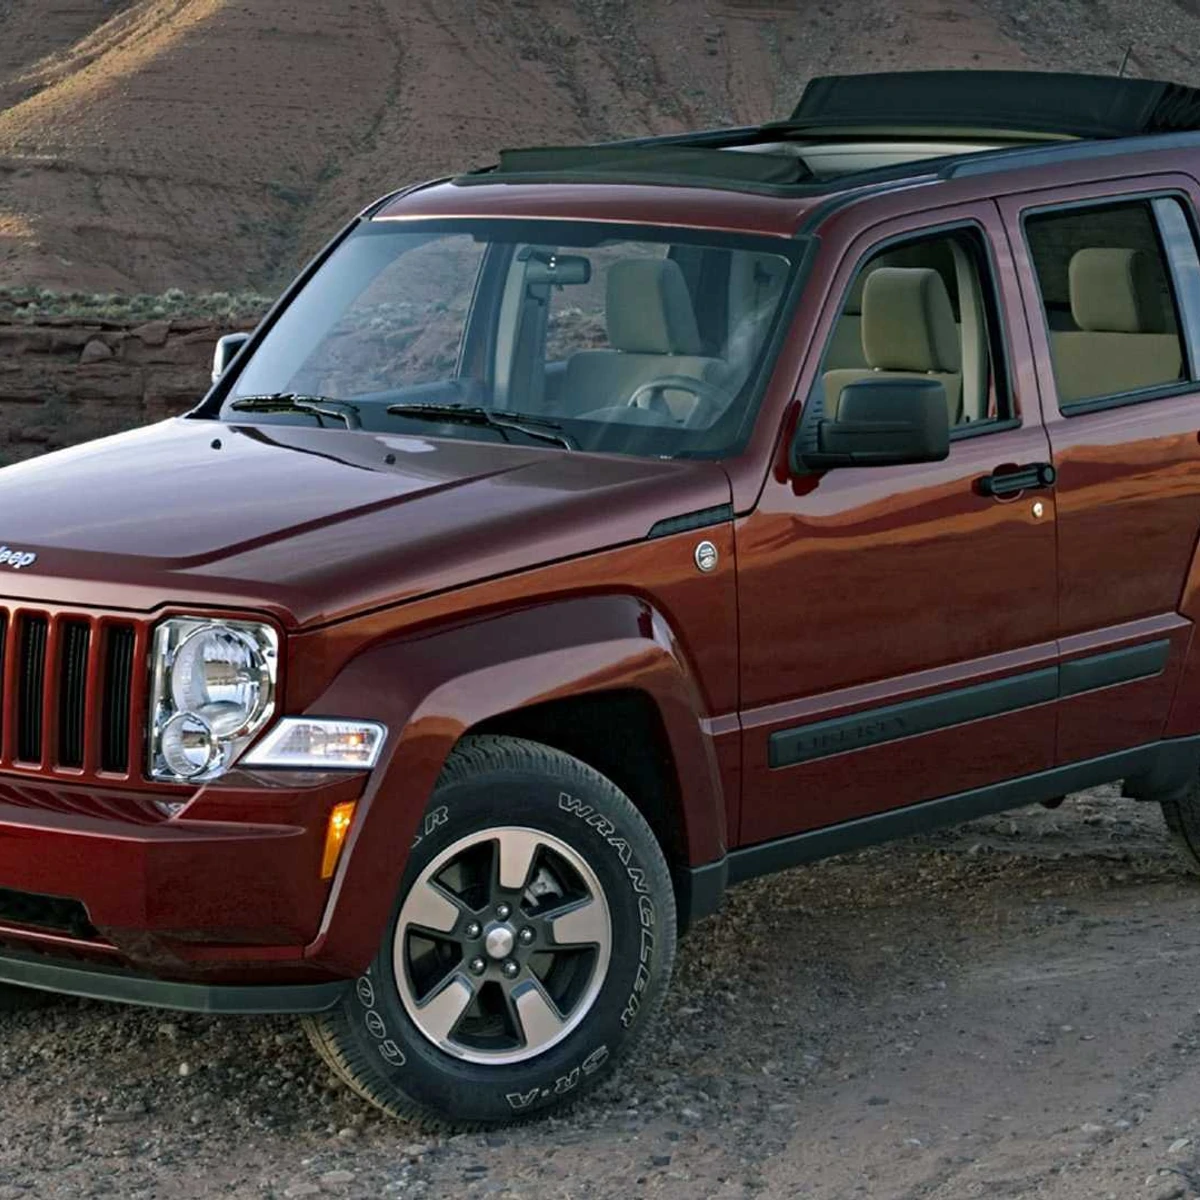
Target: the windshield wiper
pixel 462 414
pixel 317 406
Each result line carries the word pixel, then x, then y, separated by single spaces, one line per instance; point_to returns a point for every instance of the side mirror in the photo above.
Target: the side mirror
pixel 883 422
pixel 227 350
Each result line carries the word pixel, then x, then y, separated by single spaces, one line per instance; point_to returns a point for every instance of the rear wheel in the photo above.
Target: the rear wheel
pixel 1182 816
pixel 529 947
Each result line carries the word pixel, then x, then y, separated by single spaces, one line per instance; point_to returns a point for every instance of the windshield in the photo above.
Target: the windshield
pixel 622 339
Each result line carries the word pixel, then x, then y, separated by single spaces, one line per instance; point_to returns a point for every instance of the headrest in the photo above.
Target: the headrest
pixel 649 310
pixel 908 324
pixel 1114 291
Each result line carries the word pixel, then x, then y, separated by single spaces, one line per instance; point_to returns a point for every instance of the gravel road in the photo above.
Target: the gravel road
pixel 1007 1009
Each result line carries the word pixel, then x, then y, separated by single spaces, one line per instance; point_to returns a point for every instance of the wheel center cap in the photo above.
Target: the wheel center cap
pixel 499 941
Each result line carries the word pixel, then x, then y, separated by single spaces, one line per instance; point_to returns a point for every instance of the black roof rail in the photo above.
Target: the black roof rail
pixel 991 161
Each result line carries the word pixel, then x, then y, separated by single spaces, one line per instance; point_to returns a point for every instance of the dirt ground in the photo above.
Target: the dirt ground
pixel 1009 1009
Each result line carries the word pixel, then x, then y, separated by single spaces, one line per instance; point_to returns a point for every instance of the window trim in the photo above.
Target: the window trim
pixel 1013 419
pixel 1184 319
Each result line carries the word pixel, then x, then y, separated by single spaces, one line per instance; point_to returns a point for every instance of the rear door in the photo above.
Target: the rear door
pixel 1112 284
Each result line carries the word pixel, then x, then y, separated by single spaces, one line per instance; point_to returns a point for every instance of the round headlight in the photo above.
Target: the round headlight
pixel 188 746
pixel 221 675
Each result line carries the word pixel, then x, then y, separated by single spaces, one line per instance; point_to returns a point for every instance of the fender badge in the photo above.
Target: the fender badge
pixel 16 558
pixel 707 557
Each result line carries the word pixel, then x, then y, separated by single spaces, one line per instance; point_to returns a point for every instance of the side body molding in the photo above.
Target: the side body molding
pixel 431 689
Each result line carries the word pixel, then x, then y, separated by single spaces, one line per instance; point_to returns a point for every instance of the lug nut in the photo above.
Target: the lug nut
pixel 478 966
pixel 526 936
pixel 510 969
pixel 474 929
pixel 503 911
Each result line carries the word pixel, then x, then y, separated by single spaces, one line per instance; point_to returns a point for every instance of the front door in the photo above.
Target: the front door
pixel 899 623
pixel 1112 283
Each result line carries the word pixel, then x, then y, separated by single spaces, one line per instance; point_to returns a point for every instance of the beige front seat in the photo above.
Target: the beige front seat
pixel 652 331
pixel 1121 344
pixel 908 329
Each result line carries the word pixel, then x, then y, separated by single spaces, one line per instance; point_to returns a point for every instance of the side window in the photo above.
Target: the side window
pixel 1109 297
pixel 925 307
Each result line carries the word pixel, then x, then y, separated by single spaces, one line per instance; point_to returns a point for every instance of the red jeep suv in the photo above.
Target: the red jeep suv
pixel 581 536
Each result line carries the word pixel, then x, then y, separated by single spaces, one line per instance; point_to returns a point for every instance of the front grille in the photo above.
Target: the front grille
pixel 68 692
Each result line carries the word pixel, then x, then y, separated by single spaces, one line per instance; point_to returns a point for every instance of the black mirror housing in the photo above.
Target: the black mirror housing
pixel 226 351
pixel 884 422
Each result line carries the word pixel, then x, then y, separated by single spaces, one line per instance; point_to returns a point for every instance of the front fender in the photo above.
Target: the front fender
pixel 433 688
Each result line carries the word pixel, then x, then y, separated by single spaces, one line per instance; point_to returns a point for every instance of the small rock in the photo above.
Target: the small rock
pixel 660 1160
pixel 337 1178
pixel 348 1134
pixel 169 1030
pixel 153 333
pixel 1179 1144
pixel 303 1189
pixel 1172 1189
pixel 95 351
pixel 185 1069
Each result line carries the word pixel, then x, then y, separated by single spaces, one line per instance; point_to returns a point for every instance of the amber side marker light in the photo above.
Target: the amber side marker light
pixel 340 820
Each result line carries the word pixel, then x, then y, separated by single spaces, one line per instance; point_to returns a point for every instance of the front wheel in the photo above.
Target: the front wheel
pixel 530 945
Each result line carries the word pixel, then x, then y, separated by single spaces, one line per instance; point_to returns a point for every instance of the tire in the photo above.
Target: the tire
pixel 1182 816
pixel 557 989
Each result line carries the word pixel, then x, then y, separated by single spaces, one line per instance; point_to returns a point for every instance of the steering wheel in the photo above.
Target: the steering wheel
pixel 649 395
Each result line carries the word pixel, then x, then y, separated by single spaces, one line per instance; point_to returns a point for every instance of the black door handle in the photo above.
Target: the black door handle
pixel 1008 482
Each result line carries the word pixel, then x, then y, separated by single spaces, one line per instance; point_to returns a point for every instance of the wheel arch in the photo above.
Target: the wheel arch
pixel 523 673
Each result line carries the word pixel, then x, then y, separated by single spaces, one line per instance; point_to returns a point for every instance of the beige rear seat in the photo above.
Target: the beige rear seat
pixel 1120 345
pixel 908 329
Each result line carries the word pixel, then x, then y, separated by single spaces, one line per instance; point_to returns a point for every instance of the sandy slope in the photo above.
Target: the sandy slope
pixel 215 143
pixel 206 143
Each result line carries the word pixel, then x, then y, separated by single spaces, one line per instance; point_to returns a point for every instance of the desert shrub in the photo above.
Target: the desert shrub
pixel 31 305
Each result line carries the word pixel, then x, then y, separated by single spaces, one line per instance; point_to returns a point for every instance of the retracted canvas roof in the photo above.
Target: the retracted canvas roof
pixel 1082 106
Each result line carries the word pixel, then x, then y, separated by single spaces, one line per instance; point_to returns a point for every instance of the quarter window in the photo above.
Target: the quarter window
pixel 1109 295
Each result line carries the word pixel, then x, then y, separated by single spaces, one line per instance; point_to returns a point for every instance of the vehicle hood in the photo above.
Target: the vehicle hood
pixel 315 525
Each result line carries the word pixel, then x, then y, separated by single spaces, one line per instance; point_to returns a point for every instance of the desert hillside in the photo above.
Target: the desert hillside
pixel 212 144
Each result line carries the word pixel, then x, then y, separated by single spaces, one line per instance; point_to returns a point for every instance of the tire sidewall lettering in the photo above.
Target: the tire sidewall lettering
pixel 645 905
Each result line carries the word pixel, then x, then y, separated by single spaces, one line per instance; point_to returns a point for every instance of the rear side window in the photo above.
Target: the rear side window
pixel 1110 294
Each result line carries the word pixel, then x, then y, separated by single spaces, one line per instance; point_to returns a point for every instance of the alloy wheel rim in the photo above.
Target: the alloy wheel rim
pixel 502 945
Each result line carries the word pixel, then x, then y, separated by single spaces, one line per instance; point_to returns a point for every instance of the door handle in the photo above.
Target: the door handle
pixel 1008 481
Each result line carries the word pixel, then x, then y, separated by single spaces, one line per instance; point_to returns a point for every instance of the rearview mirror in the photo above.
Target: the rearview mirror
pixel 226 351
pixel 883 422
pixel 571 269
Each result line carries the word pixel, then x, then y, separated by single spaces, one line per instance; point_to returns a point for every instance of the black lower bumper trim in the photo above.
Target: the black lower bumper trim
pixel 699 891
pixel 123 987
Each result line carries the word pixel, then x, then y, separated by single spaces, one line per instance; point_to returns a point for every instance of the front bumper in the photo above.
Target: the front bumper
pixel 185 913
pixel 128 987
